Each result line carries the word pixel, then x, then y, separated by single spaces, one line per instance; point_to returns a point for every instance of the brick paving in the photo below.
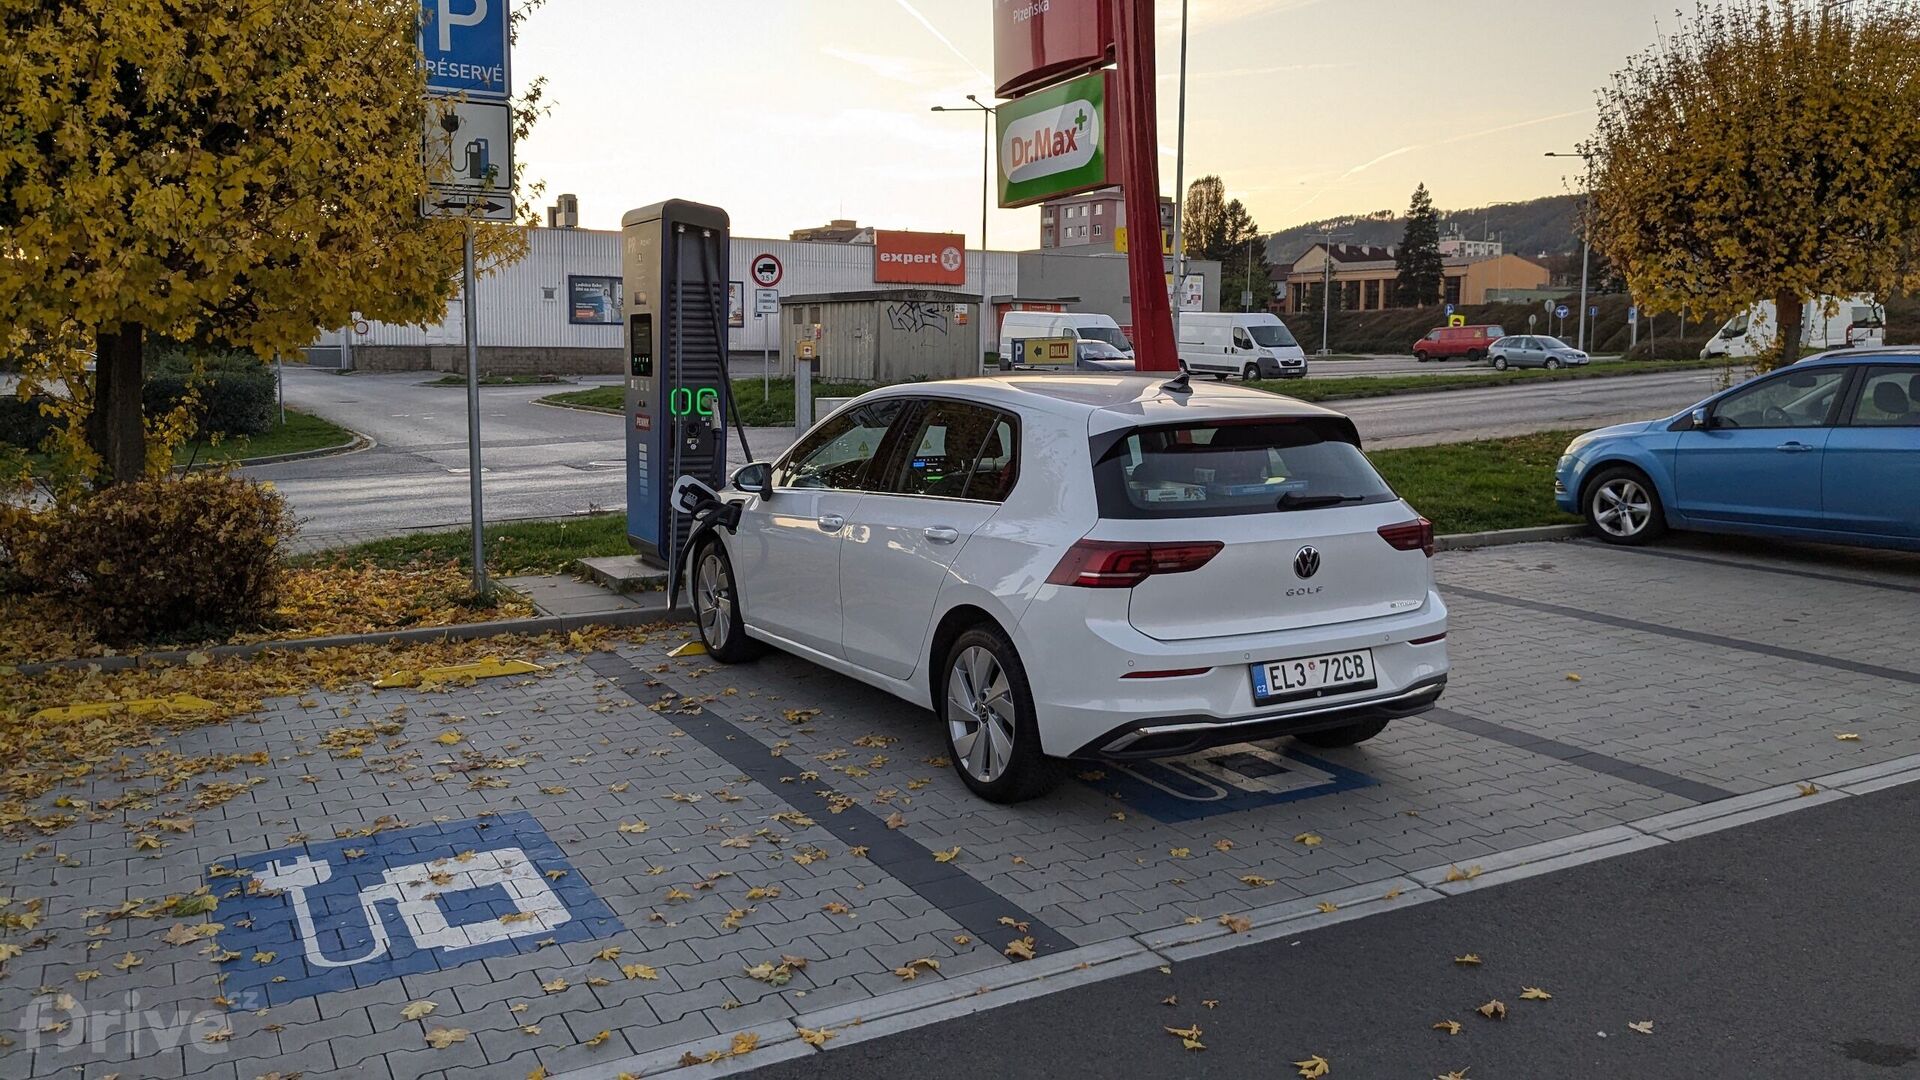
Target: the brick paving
pixel 692 822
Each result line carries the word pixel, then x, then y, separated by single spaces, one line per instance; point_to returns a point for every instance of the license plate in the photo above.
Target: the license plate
pixel 1312 676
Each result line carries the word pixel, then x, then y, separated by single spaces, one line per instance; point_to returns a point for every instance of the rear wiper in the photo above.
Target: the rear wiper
pixel 1293 500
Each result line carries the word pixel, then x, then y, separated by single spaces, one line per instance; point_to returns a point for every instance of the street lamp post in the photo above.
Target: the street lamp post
pixel 1586 248
pixel 986 198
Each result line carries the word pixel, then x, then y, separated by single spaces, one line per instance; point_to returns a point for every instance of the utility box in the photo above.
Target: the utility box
pixel 883 337
pixel 674 274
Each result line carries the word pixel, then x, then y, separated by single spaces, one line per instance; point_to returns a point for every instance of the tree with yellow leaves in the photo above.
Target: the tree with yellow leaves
pixel 1766 150
pixel 211 171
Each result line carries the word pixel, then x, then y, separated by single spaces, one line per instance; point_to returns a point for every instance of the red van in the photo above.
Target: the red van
pixel 1446 342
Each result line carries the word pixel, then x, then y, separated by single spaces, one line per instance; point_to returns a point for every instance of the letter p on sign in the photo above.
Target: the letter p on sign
pixel 448 20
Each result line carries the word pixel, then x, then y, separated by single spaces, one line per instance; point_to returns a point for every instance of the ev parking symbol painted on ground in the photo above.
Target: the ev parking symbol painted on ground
pixel 330 916
pixel 1224 781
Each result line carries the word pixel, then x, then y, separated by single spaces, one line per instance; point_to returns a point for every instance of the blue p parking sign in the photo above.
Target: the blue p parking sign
pixel 463 46
pixel 331 916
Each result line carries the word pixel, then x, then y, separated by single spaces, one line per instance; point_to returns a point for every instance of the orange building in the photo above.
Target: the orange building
pixel 1364 276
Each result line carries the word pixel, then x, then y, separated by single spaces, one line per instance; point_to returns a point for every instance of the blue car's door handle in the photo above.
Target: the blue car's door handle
pixel 1793 448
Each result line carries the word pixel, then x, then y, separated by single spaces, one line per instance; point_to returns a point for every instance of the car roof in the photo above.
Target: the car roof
pixel 1110 401
pixel 1878 354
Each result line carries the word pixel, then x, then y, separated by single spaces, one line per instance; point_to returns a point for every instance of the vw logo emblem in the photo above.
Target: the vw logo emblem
pixel 1306 563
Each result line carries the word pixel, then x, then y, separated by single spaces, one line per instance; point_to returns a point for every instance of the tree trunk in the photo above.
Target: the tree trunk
pixel 1787 311
pixel 116 428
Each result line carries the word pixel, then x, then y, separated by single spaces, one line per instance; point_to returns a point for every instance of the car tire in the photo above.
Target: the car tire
pixel 1499 363
pixel 1419 356
pixel 1552 364
pixel 1345 735
pixel 716 607
pixel 1475 356
pixel 1250 373
pixel 1622 507
pixel 985 703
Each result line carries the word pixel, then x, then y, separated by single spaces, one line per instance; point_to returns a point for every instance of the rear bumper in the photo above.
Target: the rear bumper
pixel 1165 736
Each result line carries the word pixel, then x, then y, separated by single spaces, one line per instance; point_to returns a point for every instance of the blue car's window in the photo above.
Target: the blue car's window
pixel 1889 398
pixel 1795 399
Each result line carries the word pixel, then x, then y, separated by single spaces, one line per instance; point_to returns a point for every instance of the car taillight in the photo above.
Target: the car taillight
pixel 1415 535
pixel 1121 564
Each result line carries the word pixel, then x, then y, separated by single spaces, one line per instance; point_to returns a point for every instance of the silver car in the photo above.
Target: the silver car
pixel 1533 350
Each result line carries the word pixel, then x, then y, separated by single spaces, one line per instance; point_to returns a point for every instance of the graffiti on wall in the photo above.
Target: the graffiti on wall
pixel 915 316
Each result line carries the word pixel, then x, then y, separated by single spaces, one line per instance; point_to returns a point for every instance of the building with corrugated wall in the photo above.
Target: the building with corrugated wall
pixel 558 310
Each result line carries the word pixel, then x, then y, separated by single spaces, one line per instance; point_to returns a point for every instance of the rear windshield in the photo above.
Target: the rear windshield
pixel 1207 470
pixel 1109 334
pixel 1271 336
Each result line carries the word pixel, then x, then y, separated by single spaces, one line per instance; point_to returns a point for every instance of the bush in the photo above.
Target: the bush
pixel 237 391
pixel 21 423
pixel 179 556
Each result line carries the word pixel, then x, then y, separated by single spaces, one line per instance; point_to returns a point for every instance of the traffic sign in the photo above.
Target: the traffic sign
pixel 1593 312
pixel 1633 314
pixel 1560 312
pixel 468 147
pixel 467 205
pixel 1449 309
pixel 463 47
pixel 766 301
pixel 766 270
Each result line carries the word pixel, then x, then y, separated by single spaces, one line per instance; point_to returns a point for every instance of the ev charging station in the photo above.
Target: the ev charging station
pixel 674 268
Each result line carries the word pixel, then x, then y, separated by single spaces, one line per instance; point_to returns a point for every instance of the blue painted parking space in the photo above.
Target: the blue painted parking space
pixel 1227 780
pixel 333 915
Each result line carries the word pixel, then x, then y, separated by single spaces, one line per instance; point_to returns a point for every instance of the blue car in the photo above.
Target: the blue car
pixel 1825 450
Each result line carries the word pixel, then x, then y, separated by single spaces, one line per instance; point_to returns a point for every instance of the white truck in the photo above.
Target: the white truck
pixel 1826 322
pixel 1252 345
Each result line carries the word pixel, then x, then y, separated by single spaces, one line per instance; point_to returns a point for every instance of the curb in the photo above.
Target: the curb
pixel 544 624
pixel 354 445
pixel 578 408
pixel 1503 537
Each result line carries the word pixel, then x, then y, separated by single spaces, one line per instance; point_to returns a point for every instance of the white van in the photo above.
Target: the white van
pixel 1085 325
pixel 1252 345
pixel 1828 322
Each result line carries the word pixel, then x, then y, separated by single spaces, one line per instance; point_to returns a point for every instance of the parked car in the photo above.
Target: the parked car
pixel 1446 342
pixel 1827 449
pixel 1534 350
pixel 1826 322
pixel 1252 345
pixel 1084 325
pixel 1066 566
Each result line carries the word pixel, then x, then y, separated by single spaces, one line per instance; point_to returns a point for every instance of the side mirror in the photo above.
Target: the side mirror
pixel 1702 419
pixel 754 479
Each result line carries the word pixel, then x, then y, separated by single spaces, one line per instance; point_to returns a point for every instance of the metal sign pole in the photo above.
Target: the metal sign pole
pixel 766 358
pixel 480 585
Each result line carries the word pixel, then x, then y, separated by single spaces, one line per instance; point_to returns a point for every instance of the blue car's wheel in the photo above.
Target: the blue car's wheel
pixel 1622 506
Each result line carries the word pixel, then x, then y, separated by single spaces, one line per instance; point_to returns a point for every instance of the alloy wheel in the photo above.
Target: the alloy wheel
pixel 981 716
pixel 1621 507
pixel 713 599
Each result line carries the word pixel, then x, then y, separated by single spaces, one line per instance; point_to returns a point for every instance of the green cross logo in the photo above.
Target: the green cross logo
pixel 1080 119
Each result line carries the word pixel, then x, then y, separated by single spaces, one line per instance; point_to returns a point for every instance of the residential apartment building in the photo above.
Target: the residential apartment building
pixel 1087 220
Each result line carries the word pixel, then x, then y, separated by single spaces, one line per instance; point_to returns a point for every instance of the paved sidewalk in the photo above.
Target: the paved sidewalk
pixel 630 858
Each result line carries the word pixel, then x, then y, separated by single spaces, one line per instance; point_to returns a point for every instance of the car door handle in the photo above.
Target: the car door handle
pixel 1793 448
pixel 832 522
pixel 941 534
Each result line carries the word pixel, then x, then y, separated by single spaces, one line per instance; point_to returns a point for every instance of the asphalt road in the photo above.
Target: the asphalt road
pixel 547 462
pixel 1776 949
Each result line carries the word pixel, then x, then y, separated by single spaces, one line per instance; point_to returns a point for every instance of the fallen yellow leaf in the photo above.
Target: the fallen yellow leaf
pixel 948 855
pixel 1534 993
pixel 1451 1027
pixel 441 1038
pixel 1020 948
pixel 1848 736
pixel 1493 1010
pixel 1307 838
pixel 815 1036
pixel 1327 908
pixel 1468 959
pixel 1313 1067
pixel 415 1010
pixel 1644 1027
pixel 600 1038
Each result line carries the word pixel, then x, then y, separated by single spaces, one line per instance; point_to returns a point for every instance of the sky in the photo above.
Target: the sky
pixel 790 112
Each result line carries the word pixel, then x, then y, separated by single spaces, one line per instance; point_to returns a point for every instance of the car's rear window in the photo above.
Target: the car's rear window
pixel 1237 467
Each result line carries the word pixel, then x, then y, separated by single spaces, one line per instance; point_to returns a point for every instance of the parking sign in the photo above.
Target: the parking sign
pixel 463 46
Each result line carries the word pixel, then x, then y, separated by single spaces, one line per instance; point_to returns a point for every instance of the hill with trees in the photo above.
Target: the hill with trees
pixel 1528 228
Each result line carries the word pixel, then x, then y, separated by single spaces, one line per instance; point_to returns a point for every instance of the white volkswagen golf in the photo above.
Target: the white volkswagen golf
pixel 1088 566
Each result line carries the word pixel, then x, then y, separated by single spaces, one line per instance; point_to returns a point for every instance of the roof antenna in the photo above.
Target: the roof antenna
pixel 1179 384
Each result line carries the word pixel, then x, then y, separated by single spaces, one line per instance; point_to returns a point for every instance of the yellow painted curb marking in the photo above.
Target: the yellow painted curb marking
pixel 172 703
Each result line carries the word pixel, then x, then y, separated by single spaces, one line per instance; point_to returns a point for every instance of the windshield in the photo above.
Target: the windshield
pixel 1244 467
pixel 1552 343
pixel 1098 350
pixel 1109 334
pixel 1272 336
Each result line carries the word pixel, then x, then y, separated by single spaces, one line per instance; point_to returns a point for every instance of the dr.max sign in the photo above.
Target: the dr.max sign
pixel 1054 141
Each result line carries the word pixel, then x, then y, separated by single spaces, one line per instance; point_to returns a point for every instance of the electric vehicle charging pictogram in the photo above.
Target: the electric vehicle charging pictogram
pixel 353 912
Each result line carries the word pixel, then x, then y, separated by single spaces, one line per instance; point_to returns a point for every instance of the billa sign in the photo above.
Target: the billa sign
pixel 1054 141
pixel 1038 41
pixel 917 258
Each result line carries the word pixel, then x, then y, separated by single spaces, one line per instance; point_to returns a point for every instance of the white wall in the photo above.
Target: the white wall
pixel 514 311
